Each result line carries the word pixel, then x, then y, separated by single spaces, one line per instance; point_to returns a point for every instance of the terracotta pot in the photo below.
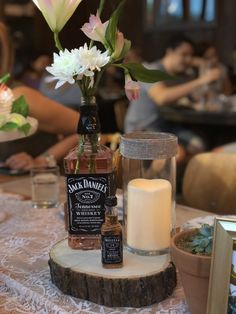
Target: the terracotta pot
pixel 194 273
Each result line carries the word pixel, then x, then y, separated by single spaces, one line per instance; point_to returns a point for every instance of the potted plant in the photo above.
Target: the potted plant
pixel 191 253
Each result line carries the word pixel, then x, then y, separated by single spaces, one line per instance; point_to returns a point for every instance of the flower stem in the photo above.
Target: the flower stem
pixel 80 151
pixel 93 139
pixel 57 41
pixel 92 163
pixel 99 76
pixel 91 44
pixel 81 87
pixel 101 7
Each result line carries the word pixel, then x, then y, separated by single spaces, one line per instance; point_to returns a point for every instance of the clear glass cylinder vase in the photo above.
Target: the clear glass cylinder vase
pixel 149 179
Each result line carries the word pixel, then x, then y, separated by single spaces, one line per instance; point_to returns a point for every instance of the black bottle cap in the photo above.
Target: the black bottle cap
pixel 111 201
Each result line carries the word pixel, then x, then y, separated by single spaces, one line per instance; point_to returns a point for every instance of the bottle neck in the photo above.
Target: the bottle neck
pixel 111 216
pixel 89 141
pixel 111 220
pixel 89 123
pixel 89 100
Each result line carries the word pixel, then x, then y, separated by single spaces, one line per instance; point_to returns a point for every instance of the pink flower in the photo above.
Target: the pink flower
pixel 120 41
pixel 95 29
pixel 132 89
pixel 57 12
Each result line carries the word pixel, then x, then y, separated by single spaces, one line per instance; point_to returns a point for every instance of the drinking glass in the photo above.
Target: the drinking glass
pixel 45 187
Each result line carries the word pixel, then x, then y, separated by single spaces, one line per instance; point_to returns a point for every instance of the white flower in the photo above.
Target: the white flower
pixel 71 65
pixel 57 12
pixel 65 67
pixel 92 59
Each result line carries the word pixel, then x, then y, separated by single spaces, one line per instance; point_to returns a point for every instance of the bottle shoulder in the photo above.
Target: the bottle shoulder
pixel 111 229
pixel 86 161
pixel 101 152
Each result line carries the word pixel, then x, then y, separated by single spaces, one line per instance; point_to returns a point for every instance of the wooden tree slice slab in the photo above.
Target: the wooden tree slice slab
pixel 142 281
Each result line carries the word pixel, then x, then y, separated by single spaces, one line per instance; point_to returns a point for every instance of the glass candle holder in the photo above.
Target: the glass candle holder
pixel 149 179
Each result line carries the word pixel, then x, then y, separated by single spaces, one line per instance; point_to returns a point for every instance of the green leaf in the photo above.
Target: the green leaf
pixel 208 249
pixel 9 126
pixel 5 78
pixel 206 230
pixel 112 25
pixel 204 243
pixel 25 128
pixel 20 106
pixel 199 249
pixel 101 6
pixel 196 242
pixel 126 48
pixel 142 74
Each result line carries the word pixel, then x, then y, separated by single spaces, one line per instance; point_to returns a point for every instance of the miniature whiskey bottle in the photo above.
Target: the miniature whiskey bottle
pixel 111 236
pixel 88 169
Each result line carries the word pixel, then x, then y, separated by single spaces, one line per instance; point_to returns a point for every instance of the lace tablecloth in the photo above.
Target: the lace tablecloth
pixel 26 236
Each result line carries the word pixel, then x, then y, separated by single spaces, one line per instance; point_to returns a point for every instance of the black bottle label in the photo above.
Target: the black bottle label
pixel 89 121
pixel 86 196
pixel 112 249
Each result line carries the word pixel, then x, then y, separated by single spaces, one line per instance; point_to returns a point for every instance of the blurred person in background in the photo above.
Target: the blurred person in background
pixel 54 119
pixel 111 90
pixel 143 114
pixel 32 74
pixel 232 71
pixel 68 95
pixel 211 60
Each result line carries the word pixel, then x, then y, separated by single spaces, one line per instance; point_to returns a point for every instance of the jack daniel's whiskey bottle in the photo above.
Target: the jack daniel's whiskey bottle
pixel 111 236
pixel 89 170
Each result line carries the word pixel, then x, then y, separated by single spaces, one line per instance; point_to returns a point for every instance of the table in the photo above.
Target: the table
pixel 219 127
pixel 185 115
pixel 5 178
pixel 27 235
pixel 21 185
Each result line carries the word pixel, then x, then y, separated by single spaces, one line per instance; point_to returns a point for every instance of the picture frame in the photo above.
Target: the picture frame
pixel 222 293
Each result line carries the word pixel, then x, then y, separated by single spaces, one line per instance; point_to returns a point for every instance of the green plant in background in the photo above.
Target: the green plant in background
pixel 231 303
pixel 200 242
pixel 4 78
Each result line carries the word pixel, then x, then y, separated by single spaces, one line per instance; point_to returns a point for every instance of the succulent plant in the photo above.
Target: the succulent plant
pixel 200 242
pixel 231 303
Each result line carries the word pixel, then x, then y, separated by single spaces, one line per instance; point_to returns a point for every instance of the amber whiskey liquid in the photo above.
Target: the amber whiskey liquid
pixel 90 189
pixel 111 237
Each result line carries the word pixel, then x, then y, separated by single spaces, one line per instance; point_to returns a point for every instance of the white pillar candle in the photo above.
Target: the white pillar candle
pixel 149 214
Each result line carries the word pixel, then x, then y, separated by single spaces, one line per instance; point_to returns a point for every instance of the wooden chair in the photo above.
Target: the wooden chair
pixel 6 50
pixel 111 139
pixel 210 182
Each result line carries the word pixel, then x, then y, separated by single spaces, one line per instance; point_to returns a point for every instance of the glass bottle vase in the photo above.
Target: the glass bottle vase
pixel 89 172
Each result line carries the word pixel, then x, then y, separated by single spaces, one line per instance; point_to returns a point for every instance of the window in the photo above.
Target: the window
pixel 202 10
pixel 150 4
pixel 172 13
